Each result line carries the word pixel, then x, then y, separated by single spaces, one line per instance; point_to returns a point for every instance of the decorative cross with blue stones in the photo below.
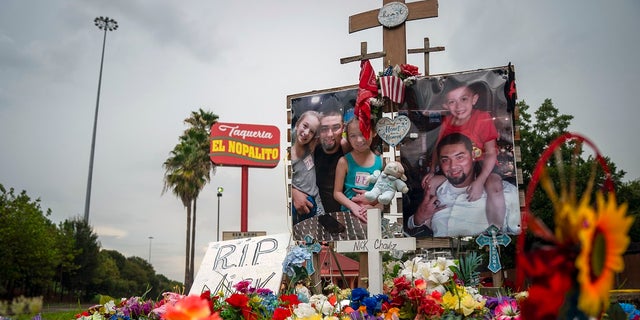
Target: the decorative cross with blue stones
pixel 492 239
pixel 313 247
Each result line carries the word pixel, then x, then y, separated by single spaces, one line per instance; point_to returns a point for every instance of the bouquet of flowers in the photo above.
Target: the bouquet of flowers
pixel 571 269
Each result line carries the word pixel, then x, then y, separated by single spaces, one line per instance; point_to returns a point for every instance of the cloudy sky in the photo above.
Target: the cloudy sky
pixel 240 60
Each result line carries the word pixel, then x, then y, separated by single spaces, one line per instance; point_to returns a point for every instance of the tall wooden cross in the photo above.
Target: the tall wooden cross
pixel 394 38
pixel 426 49
pixel 373 245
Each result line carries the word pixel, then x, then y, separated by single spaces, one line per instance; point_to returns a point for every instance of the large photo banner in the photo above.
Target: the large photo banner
pixel 459 155
pixel 318 140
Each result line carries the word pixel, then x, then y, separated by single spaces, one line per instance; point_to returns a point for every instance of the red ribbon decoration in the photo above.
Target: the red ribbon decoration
pixel 367 88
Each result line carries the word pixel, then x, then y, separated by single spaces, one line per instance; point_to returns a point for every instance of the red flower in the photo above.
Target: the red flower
pixel 401 283
pixel 247 314
pixel 551 270
pixel 415 294
pixel 409 70
pixel 431 304
pixel 281 313
pixel 289 300
pixel 83 314
pixel 207 296
pixel 238 300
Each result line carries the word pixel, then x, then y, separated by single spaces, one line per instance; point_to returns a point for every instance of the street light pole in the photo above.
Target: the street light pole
pixel 220 189
pixel 106 24
pixel 149 260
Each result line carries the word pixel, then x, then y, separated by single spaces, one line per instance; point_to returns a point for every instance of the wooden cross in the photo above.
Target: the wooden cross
pixel 394 39
pixel 373 245
pixel 363 55
pixel 426 49
pixel 493 240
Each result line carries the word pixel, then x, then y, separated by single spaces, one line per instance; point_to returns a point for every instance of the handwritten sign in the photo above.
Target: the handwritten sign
pixel 258 260
pixel 373 245
pixel 393 14
pixel 392 131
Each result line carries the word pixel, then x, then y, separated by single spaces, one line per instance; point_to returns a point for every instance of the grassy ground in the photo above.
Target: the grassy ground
pixel 55 312
pixel 56 315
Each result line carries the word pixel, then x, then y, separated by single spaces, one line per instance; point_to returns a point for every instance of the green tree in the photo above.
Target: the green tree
pixel 107 274
pixel 537 132
pixel 80 282
pixel 28 256
pixel 200 123
pixel 187 170
pixel 629 192
pixel 140 273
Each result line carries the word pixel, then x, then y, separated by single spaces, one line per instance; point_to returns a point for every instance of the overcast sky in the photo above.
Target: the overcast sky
pixel 240 60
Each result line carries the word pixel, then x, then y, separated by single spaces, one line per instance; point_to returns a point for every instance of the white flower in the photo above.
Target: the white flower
pixel 437 276
pixel 444 264
pixel 110 307
pixel 411 268
pixel 304 310
pixel 317 299
pixel 325 308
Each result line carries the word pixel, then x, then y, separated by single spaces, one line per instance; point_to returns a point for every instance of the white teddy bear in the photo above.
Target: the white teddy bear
pixel 387 183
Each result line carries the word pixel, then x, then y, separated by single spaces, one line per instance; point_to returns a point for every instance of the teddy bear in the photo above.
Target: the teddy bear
pixel 387 183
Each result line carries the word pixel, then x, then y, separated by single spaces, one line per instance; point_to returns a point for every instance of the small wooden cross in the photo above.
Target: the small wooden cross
pixel 313 247
pixel 426 49
pixel 493 240
pixel 373 245
pixel 363 55
pixel 394 39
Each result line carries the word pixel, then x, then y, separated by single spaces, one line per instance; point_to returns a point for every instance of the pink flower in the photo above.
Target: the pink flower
pixel 508 310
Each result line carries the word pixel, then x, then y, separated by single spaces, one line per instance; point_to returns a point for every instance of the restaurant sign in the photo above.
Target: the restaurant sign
pixel 251 145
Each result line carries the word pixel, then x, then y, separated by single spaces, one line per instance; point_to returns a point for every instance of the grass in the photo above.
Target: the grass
pixel 54 312
pixel 54 315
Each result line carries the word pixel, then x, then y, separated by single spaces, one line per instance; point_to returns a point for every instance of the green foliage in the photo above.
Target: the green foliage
pixel 38 256
pixel 629 192
pixel 28 255
pixel 82 279
pixel 537 132
pixel 468 269
pixel 187 170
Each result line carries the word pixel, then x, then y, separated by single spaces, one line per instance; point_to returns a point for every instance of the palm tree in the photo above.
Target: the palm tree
pixel 200 122
pixel 188 169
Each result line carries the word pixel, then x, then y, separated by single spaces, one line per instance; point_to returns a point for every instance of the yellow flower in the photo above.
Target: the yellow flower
pixel 603 240
pixel 461 302
pixel 570 214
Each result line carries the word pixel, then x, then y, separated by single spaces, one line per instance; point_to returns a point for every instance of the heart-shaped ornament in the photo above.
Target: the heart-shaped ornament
pixel 392 131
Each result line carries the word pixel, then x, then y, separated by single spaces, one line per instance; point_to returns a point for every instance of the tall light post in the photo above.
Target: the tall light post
pixel 220 189
pixel 106 24
pixel 149 260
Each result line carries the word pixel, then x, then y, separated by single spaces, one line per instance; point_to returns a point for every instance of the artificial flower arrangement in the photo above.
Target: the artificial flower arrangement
pixel 570 275
pixel 571 269
pixel 414 289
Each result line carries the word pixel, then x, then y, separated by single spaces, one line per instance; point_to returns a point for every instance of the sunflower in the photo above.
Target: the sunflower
pixel 603 241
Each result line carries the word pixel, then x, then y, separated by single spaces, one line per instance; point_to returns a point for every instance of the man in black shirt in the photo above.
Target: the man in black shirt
pixel 326 157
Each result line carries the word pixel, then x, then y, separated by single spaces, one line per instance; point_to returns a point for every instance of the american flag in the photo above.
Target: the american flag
pixel 393 88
